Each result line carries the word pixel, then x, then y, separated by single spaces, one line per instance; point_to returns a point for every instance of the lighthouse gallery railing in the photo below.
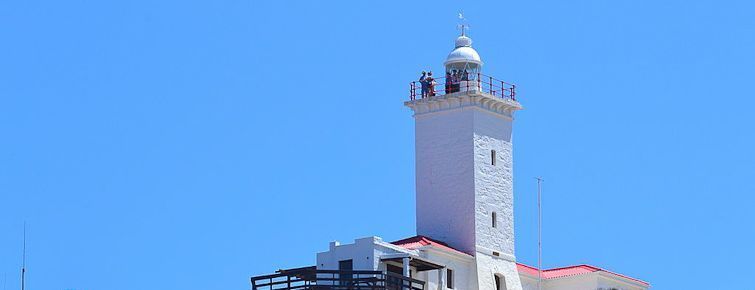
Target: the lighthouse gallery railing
pixel 471 82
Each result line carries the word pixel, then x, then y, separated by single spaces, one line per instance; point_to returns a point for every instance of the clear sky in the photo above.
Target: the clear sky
pixel 190 145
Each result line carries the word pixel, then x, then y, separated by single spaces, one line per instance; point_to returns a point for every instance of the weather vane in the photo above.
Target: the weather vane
pixel 462 23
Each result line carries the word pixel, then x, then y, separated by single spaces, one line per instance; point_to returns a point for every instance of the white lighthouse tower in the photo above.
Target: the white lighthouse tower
pixel 465 203
pixel 464 165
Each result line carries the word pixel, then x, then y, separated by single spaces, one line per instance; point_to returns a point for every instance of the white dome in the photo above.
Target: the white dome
pixel 463 41
pixel 463 53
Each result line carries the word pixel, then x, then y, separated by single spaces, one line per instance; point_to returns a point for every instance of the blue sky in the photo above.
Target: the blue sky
pixel 190 145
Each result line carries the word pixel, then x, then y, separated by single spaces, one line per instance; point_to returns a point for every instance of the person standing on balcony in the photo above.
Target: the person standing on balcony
pixel 431 84
pixel 455 81
pixel 423 84
pixel 448 82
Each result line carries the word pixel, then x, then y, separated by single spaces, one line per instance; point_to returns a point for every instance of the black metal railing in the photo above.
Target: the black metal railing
pixel 310 278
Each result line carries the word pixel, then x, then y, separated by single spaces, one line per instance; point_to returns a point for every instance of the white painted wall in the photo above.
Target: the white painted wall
pixel 458 187
pixel 494 189
pixel 364 252
pixel 494 192
pixel 528 282
pixel 578 282
pixel 445 177
pixel 488 266
pixel 608 281
pixel 361 252
pixel 462 266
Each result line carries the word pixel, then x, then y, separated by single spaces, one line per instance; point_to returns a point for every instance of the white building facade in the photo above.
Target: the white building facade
pixel 465 197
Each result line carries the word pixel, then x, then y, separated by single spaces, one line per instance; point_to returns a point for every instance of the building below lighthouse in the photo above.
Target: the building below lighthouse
pixel 465 202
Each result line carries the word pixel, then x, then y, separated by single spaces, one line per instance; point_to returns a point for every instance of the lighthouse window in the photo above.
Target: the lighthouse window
pixel 495 220
pixel 500 282
pixel 450 278
pixel 492 157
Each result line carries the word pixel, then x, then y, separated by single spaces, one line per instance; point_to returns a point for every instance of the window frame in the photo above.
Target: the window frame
pixel 500 282
pixel 449 278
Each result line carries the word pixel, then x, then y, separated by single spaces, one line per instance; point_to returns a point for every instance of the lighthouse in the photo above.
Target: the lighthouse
pixel 464 166
pixel 463 124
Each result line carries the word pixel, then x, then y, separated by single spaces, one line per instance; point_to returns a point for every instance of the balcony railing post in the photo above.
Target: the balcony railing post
pixel 491 85
pixel 411 91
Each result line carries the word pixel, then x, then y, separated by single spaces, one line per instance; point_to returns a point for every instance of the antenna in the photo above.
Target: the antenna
pixel 539 234
pixel 23 262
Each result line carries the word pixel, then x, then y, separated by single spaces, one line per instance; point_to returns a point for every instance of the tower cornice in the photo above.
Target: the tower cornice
pixel 501 106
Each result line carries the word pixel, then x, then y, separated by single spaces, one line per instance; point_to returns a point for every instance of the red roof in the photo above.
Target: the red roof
pixel 570 271
pixel 558 272
pixel 421 241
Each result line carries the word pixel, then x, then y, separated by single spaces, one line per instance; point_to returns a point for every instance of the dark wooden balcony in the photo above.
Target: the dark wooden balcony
pixel 311 278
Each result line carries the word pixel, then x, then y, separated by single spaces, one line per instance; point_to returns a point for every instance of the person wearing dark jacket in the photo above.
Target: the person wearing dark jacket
pixel 423 84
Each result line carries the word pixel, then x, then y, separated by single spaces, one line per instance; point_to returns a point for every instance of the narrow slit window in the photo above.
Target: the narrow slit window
pixel 492 157
pixel 494 217
pixel 450 279
pixel 500 282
